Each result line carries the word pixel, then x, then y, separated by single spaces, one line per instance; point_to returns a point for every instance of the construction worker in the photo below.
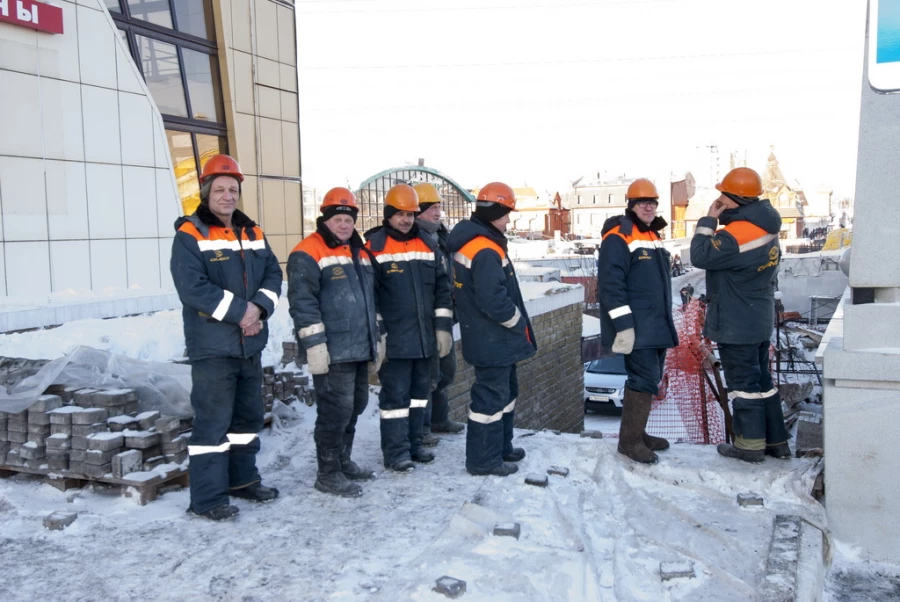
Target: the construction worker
pixel 229 282
pixel 331 290
pixel 413 291
pixel 741 263
pixel 437 414
pixel 496 331
pixel 636 312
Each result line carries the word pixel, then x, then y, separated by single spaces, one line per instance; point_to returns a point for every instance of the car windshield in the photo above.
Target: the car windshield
pixel 614 364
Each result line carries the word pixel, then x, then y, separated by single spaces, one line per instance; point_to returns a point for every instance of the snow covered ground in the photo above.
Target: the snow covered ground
pixel 598 534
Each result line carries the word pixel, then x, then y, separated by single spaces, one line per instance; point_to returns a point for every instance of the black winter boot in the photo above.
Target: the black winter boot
pixel 330 479
pixel 430 440
pixel 504 469
pixel 219 513
pixel 350 468
pixel 514 455
pixel 402 466
pixel 655 443
pixel 255 492
pixel 782 451
pixel 422 456
pixel 450 427
pixel 754 456
pixel 635 412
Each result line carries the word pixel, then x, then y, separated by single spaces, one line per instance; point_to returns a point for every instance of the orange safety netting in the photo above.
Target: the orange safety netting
pixel 687 408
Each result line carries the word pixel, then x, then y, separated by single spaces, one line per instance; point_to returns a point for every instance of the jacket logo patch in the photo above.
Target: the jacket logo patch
pixel 715 242
pixel 219 256
pixel 394 269
pixel 337 273
pixel 644 255
pixel 773 260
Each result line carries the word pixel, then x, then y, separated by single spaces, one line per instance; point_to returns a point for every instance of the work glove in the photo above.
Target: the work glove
pixel 317 359
pixel 444 342
pixel 380 351
pixel 624 342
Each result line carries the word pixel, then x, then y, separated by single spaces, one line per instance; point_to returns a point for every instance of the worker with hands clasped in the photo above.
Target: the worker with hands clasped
pixel 229 283
pixel 496 331
pixel 331 289
pixel 437 415
pixel 741 262
pixel 635 286
pixel 413 291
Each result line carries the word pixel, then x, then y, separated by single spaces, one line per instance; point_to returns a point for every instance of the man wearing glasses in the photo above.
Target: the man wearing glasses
pixel 635 285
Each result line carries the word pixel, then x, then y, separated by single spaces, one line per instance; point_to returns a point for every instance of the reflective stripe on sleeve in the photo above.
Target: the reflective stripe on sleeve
pixel 443 313
pixel 334 260
pixel 618 312
pixel 257 245
pixel 755 244
pixel 418 403
pixel 513 320
pixel 704 231
pixel 223 306
pixel 644 244
pixel 219 245
pixel 389 414
pixel 272 296
pixel 308 331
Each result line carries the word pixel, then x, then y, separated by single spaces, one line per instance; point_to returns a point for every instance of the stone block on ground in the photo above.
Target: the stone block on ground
pixel 13 458
pixel 85 430
pixel 3 435
pixel 60 519
pixel 32 451
pixel 810 432
pixel 78 442
pixel 105 441
pixel 4 449
pixel 150 452
pixel 784 557
pixel 561 471
pixel 536 479
pixel 592 434
pixel 114 397
pixel 141 439
pixel 165 424
pixel 96 457
pixel 749 499
pixel 450 587
pixel 58 442
pixel 45 403
pixel 97 470
pixel 508 530
pixel 39 429
pixel 57 459
pixel 147 420
pixel 63 415
pixel 36 463
pixel 17 425
pixel 41 418
pixel 151 463
pixel 37 438
pixel 76 466
pixel 127 462
pixel 178 445
pixel 178 458
pixel 16 436
pixel 676 570
pixel 77 455
pixel 68 393
pixel 83 397
pixel 60 429
pixel 117 424
pixel 89 416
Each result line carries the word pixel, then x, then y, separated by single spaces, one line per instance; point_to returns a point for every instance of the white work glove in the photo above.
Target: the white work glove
pixel 317 359
pixel 380 351
pixel 624 342
pixel 444 342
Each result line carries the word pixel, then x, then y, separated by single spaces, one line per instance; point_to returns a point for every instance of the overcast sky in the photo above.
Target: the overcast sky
pixel 544 91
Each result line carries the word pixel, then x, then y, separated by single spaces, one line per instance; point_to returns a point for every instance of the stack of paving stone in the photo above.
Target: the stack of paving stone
pixel 285 386
pixel 97 434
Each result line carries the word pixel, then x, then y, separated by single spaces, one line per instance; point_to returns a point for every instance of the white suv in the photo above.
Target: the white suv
pixel 604 382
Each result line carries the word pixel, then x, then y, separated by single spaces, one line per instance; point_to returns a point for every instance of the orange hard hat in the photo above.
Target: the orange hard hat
pixel 340 197
pixel 642 188
pixel 402 197
pixel 497 192
pixel 221 165
pixel 741 181
pixel 428 194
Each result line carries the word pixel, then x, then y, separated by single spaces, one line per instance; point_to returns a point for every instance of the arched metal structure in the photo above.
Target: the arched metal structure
pixel 371 194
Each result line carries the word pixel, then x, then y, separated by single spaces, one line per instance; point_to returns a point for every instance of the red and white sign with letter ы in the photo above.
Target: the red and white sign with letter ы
pixel 31 14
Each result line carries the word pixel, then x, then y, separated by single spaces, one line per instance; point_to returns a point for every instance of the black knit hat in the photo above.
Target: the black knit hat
pixel 741 200
pixel 490 211
pixel 331 210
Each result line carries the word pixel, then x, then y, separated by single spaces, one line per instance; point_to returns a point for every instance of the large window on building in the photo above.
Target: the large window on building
pixel 173 44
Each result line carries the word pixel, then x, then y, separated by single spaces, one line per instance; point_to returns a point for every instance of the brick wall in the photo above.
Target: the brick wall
pixel 551 383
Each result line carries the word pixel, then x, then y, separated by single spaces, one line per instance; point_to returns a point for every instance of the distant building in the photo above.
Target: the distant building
pixel 787 198
pixel 592 201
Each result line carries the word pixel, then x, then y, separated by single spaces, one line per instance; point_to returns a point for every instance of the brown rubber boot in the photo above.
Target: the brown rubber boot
pixel 655 443
pixel 635 412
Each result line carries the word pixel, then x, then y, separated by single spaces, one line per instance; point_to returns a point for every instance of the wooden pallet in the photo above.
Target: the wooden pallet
pixel 146 490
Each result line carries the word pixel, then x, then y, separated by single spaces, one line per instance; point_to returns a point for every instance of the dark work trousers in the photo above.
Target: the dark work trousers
pixel 491 415
pixel 405 385
pixel 341 396
pixel 443 374
pixel 645 370
pixel 758 418
pixel 228 413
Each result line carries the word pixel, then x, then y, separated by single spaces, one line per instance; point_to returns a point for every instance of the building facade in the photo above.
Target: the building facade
pixel 107 122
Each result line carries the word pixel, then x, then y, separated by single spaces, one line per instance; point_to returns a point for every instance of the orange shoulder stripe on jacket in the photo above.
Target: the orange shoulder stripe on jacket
pixel 744 231
pixel 474 246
